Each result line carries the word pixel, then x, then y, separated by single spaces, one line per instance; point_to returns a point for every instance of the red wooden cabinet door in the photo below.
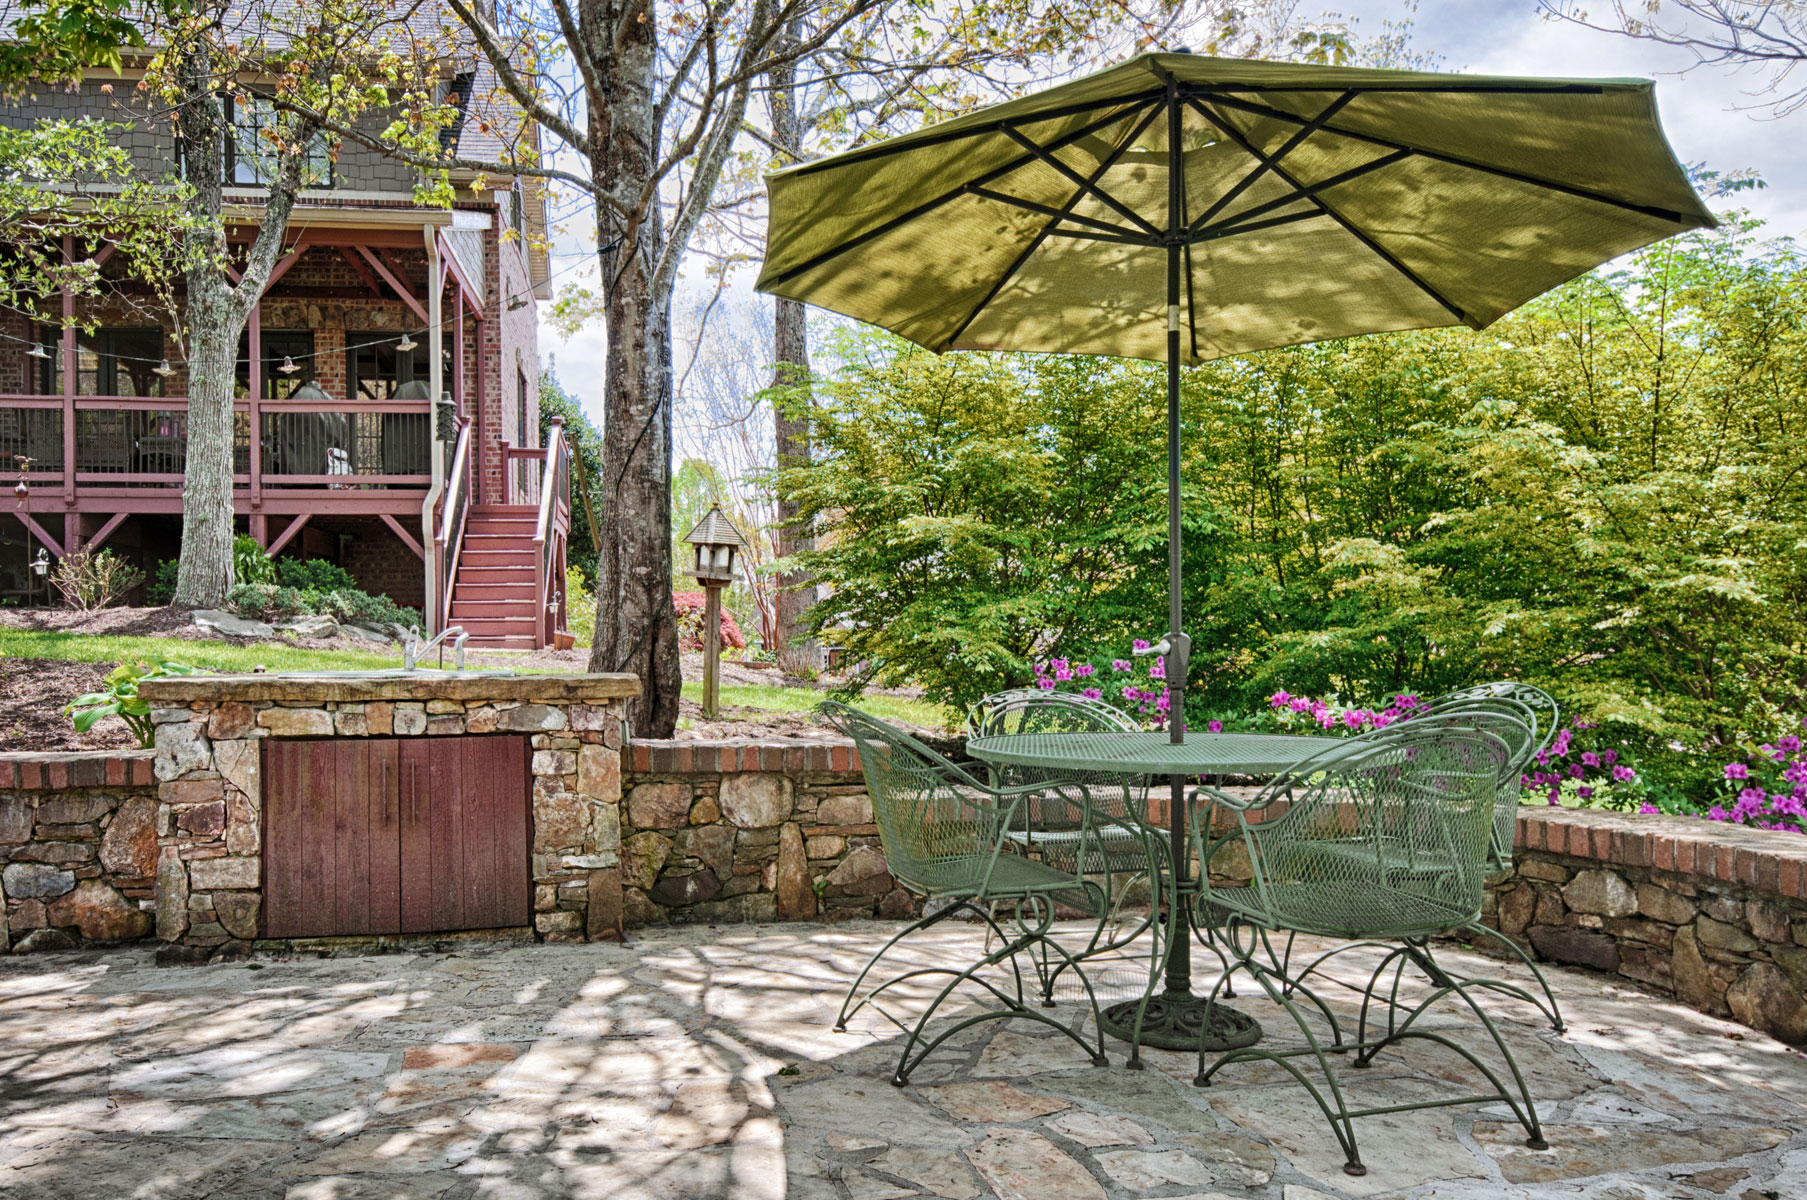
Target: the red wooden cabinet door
pixel 464 819
pixel 395 835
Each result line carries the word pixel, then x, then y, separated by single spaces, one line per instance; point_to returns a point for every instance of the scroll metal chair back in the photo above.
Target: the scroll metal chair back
pixel 1413 795
pixel 944 833
pixel 1113 853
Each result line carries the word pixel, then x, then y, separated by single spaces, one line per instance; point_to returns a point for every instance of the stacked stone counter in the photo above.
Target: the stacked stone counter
pixel 752 830
pixel 209 734
pixel 78 841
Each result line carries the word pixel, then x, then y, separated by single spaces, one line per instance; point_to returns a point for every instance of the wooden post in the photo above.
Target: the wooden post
pixel 71 544
pixel 712 648
pixel 255 421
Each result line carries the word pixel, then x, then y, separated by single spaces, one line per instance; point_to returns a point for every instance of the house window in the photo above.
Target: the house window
pixel 375 368
pixel 279 345
pixel 249 156
pixel 108 362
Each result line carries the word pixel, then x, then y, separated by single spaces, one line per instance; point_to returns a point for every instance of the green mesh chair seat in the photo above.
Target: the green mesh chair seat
pixel 1384 839
pixel 947 837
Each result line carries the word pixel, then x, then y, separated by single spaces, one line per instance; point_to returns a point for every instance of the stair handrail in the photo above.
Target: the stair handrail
pixel 555 477
pixel 456 509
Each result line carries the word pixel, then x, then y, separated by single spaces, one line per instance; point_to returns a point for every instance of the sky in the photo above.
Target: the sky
pixel 1701 112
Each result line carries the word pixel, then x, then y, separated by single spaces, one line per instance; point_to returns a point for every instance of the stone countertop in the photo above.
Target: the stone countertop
pixel 305 688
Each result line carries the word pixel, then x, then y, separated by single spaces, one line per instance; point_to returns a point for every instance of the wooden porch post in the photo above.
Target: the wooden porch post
pixel 255 333
pixel 484 490
pixel 70 540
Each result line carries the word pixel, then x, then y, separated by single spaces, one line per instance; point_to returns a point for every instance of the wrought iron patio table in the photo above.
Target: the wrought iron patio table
pixel 1173 1019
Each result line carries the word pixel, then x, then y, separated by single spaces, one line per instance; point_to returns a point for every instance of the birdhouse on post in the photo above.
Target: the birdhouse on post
pixel 717 542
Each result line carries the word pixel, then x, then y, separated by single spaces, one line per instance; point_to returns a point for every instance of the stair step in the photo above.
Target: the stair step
pixel 466 608
pixel 502 643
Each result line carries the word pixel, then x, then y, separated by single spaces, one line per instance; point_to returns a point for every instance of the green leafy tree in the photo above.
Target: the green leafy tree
pixel 586 444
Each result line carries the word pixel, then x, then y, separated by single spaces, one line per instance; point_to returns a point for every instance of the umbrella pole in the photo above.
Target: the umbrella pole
pixel 1176 1019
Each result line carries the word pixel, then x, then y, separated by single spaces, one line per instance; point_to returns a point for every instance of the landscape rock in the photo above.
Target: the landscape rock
pixel 43 939
pixel 1763 997
pixel 1693 982
pixel 296 722
pixel 796 900
pixel 310 625
pixel 172 896
pixel 659 805
pixel 215 620
pixel 599 773
pixel 530 718
pixel 675 891
pixel 862 873
pixel 1569 944
pixel 100 913
pixel 365 634
pixel 231 720
pixel 642 858
pixel 181 749
pixel 35 881
pixel 1602 893
pixel 755 799
pixel 237 911
pixel 210 874
pixel 15 820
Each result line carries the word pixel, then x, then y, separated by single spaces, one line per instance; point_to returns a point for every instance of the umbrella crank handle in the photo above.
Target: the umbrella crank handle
pixel 1175 650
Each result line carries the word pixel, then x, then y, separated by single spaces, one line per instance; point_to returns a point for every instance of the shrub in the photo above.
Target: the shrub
pixel 89 581
pixel 121 700
pixel 580 606
pixel 690 607
pixel 348 606
pixel 313 574
pixel 162 586
pixel 249 562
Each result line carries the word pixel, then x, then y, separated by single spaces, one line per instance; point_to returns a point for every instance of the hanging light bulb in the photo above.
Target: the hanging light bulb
pixel 164 369
pixel 407 343
pixel 37 350
pixel 288 366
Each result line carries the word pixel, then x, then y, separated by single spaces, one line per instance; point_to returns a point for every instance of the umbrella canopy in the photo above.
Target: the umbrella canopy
pixel 1302 203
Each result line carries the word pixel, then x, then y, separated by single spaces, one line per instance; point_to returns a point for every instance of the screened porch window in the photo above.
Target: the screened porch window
pixel 296 345
pixel 108 362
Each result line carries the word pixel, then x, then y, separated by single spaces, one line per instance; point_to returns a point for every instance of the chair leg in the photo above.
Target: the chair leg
pixel 912 1056
pixel 1548 1006
pixel 1329 1099
pixel 849 1008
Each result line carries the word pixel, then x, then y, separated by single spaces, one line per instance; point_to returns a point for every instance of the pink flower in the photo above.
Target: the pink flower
pixel 1092 693
pixel 1085 670
pixel 1045 684
pixel 1062 674
pixel 1158 669
pixel 1586 793
pixel 1737 771
pixel 1120 664
pixel 1140 644
pixel 1609 757
pixel 1647 808
pixel 1716 813
pixel 1591 759
pixel 1278 699
pixel 1214 726
pixel 1623 774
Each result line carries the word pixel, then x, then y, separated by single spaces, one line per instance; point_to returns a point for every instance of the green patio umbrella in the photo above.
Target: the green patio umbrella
pixel 1184 208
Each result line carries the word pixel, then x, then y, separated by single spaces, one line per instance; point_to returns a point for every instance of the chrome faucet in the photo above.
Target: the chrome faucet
pixel 414 649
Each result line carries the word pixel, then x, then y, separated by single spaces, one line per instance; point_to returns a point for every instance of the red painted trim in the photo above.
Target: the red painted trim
pixel 357 264
pixel 56 547
pixel 466 293
pixel 106 531
pixel 282 539
pixel 402 533
pixel 405 293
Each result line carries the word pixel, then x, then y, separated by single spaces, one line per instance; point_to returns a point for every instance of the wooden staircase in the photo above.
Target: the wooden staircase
pixel 493 593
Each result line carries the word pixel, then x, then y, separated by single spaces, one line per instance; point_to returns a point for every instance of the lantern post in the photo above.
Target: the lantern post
pixel 716 541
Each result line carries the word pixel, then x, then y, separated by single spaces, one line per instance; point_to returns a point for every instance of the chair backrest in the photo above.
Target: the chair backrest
pixel 935 821
pixel 1544 713
pixel 1409 810
pixel 1030 710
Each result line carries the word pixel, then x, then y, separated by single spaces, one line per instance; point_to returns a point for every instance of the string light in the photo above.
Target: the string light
pixel 38 351
pixel 164 369
pixel 406 344
pixel 288 366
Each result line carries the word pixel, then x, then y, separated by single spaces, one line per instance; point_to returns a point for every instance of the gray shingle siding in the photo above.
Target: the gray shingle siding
pixel 154 153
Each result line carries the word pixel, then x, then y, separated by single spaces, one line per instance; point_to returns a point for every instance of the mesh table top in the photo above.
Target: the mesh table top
pixel 1152 753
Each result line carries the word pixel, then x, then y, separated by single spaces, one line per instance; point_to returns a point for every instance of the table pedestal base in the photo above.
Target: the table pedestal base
pixel 1174 1020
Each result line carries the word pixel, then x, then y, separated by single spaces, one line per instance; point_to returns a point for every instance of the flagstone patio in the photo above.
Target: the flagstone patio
pixel 699 1063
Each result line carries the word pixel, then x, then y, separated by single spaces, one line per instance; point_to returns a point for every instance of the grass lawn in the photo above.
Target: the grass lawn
pixel 214 656
pixel 921 713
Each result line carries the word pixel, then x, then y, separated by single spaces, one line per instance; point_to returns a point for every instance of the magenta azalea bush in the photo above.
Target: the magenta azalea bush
pixel 1136 685
pixel 1769 792
pixel 1298 714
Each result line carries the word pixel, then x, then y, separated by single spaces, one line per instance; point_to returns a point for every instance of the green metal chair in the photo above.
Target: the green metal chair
pixel 1058 831
pixel 946 836
pixel 1409 812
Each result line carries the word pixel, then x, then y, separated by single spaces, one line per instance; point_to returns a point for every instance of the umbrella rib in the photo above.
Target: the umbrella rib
pixel 905 218
pixel 1305 193
pixel 1109 161
pixel 1085 185
pixel 1349 227
pixel 1649 210
pixel 1048 210
pixel 1292 143
pixel 889 147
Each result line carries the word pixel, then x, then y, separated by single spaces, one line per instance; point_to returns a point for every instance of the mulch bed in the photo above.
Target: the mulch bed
pixel 32 694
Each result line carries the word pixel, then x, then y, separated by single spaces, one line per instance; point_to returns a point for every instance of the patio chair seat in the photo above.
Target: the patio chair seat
pixel 1333 909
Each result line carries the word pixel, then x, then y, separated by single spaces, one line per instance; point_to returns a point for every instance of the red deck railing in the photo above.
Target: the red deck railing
pixel 130 443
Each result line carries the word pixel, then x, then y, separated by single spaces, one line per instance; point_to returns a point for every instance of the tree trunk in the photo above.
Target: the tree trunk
pixel 636 626
pixel 790 409
pixel 791 427
pixel 204 575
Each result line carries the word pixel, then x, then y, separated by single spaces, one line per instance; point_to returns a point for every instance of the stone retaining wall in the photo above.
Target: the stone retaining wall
pixel 1711 913
pixel 772 829
pixel 78 848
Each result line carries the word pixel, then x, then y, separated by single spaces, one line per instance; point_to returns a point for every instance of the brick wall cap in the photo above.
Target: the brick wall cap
pixel 79 769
